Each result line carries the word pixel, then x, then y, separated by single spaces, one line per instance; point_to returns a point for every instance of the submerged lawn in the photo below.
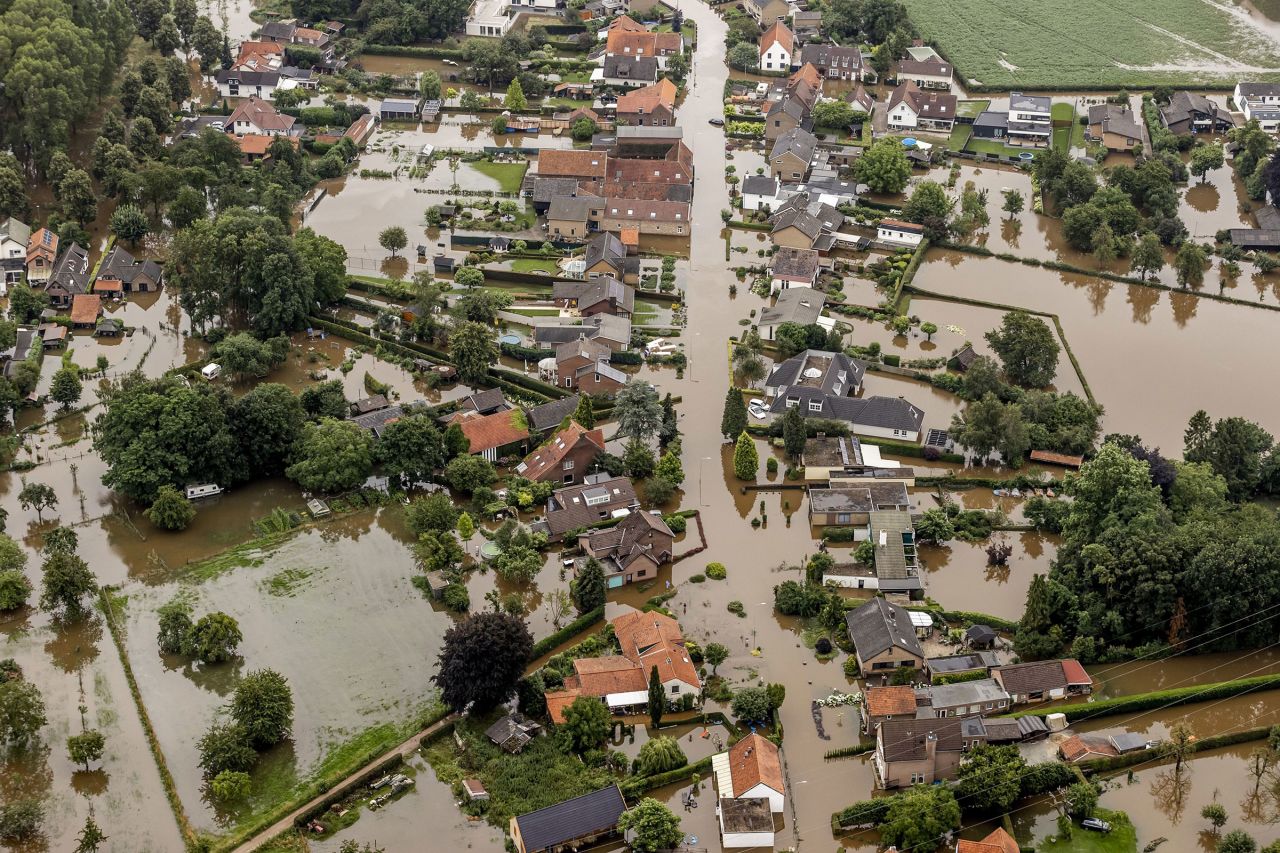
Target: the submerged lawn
pixel 1122 838
pixel 508 175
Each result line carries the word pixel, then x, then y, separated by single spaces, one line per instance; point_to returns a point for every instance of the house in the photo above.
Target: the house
pixel 548 416
pixel 998 841
pixel 791 154
pixel 652 105
pixel 854 505
pixel 912 108
pixel 487 402
pixel 1191 112
pixel 1079 748
pixel 632 550
pixel 931 73
pixel 23 343
pixel 606 255
pixel 1259 102
pixel 803 223
pixel 831 373
pixel 767 12
pixel 378 420
pixel 1029 121
pixel 493 436
pixel 52 335
pixel 646 216
pixel 15 237
pixel 777 47
pixel 793 267
pixel 571 217
pixel 513 732
pixel 883 638
pixel 648 641
pixel 575 823
pixel 256 116
pixel 956 665
pixel 398 109
pixel 806 24
pixel 246 84
pixel 599 498
pixel 892 533
pixel 370 404
pixel 85 309
pixel 602 295
pixel 564 459
pixel 109 327
pixel 802 306
pixel 583 365
pixel 897 702
pixel 917 752
pixel 897 232
pixel 259 56
pixel 786 114
pixel 490 19
pixel 613 332
pixel 835 62
pixel 70 276
pixel 819 384
pixel 963 699
pixel 750 790
pixel 861 100
pixel 1117 127
pixel 133 275
pixel 626 72
pixel 1043 681
pixel 991 124
pixel 845 461
pixel 759 192
pixel 42 251
pixel 582 165
pixel 745 822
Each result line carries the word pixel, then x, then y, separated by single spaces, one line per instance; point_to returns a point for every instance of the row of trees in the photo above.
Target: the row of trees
pixel 259 716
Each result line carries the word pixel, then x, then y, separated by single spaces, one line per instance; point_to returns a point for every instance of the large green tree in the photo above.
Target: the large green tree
pixel 22 711
pixel 884 166
pixel 481 659
pixel 263 707
pixel 1027 348
pixel 655 826
pixel 920 817
pixel 734 419
pixel 638 411
pixel 990 778
pixel 587 721
pixel 473 350
pixel 589 587
pixel 331 456
pixel 270 419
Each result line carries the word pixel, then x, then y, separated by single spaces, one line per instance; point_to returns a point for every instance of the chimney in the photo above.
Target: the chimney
pixel 931 749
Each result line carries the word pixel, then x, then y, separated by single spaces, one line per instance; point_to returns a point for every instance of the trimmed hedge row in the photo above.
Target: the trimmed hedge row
pixel 1121 762
pixel 972 617
pixel 637 785
pixel 554 640
pixel 850 751
pixel 912 450
pixel 1158 699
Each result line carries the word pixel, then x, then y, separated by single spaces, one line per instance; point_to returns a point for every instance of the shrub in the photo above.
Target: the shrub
pixel 698 579
pixel 851 668
pixel 456 598
pixel 716 571
pixel 736 608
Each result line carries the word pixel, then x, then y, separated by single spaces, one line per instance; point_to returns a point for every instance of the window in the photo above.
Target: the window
pixel 837 389
pixel 568 479
pixel 568 382
pixel 675 688
pixel 917 778
pixel 792 402
pixel 843 518
pixel 568 466
pixel 815 405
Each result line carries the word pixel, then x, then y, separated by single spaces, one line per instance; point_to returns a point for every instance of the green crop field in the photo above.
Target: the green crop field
pixel 1097 44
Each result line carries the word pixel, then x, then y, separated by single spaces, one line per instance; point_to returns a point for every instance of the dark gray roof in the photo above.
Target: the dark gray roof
pixel 550 415
pixel 543 189
pixel 830 451
pixel 801 305
pixel 797 141
pixel 576 208
pixel 866 498
pixel 760 185
pixel 1268 217
pixel 370 404
pixel 980 633
pixel 961 663
pixel 1028 103
pixel 907 740
pixel 643 68
pixel 568 508
pixel 398 105
pixel 799 371
pixel 120 264
pixel 16 230
pixel 487 402
pixel 810 217
pixel 793 107
pixel 1128 742
pixel 633 132
pixel 512 731
pixel 1258 90
pixel 608 248
pixel 595 291
pixel 926 67
pixel 878 626
pixel 1255 238
pixel 71 271
pixel 1116 119
pixel 973 692
pixel 247 77
pixel 826 56
pixel 1032 677
pixel 796 263
pixel 1001 729
pixel 875 412
pixel 991 118
pixel 278 30
pixel 603 326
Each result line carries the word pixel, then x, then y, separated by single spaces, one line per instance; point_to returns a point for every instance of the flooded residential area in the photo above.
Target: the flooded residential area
pixel 697 427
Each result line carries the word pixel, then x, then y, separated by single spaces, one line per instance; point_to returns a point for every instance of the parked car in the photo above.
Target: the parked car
pixel 1096 824
pixel 718 122
pixel 757 410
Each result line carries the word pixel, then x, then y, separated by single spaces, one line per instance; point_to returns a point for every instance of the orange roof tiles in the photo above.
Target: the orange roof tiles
pixel 258 144
pixel 548 457
pixel 85 308
pixel 626 23
pixel 807 73
pixel 108 285
pixel 494 430
pixel 648 98
pixel 654 639
pixel 1076 748
pixel 752 761
pixel 1075 673
pixel 778 34
pixel 629 236
pixel 644 43
pixel 890 701
pixel 571 164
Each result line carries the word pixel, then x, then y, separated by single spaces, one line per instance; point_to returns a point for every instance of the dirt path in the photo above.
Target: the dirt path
pixel 285 823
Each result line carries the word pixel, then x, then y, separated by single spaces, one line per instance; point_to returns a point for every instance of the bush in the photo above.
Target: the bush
pixel 456 598
pixel 851 668
pixel 677 523
pixel 1159 699
pixel 716 571
pixel 736 608
pixel 698 579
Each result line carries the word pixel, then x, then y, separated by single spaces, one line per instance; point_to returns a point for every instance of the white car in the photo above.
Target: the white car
pixel 757 410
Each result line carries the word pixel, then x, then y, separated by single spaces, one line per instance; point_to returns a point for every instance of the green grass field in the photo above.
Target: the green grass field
pixel 1121 839
pixel 508 175
pixel 546 266
pixel 1001 45
pixel 971 109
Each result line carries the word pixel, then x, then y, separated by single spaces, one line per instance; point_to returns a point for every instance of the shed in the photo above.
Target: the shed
pixel 980 636
pixel 573 823
pixel 317 508
pixel 1129 742
pixel 437 583
pixel 474 790
pixel 109 327
pixel 398 109
pixel 1050 458
pixel 922 623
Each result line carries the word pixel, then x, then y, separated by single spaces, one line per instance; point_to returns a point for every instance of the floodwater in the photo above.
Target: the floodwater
pixel 958 573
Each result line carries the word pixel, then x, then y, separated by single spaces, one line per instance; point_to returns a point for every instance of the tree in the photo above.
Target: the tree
pixel 836 114
pixel 324 400
pixel 167 38
pixel 15 589
pixel 244 355
pixel 1082 800
pixel 263 707
pixel 929 329
pixel 67 580
pixel 884 166
pixel 746 461
pixel 90 837
pixel 935 526
pixel 482 658
pixel 1104 245
pixel 658 755
pixel 230 786
pixel 214 638
pixel 481 306
pixel 1205 158
pixel 794 433
pixel 412 448
pixel 37 496
pixel 189 206
pixel 1148 255
pixel 66 386
pixel 466 474
pixel 274 417
pixel 429 86
pixel 331 456
pixel 175 626
pixel 434 513
pixel 86 747
pixel 184 16
pixel 990 777
pixel 655 826
pixel 919 817
pixel 1237 841
pixel 584 128
pixel 587 723
pixel 751 705
pixel 129 224
pixel 1013 203
pixel 515 100
pixel 637 411
pixel 928 200
pixel 657 698
pixel 206 41
pixel 22 711
pixel 589 587
pixel 466 527
pixel 584 414
pixel 743 57
pixel 1027 348
pixel 669 468
pixel 473 350
pixel 1216 815
pixel 714 654
pixel 1189 263
pixel 75 193
pixel 469 277
pixel 226 747
pixel 393 239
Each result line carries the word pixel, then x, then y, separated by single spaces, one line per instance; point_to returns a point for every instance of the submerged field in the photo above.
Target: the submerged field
pixel 1001 44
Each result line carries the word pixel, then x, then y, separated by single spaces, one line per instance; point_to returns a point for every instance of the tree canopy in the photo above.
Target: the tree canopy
pixel 482 658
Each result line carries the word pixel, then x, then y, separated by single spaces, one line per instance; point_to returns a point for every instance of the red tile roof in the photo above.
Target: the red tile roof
pixel 648 98
pixel 1077 748
pixel 571 164
pixel 547 458
pixel 807 74
pixel 890 701
pixel 654 639
pixel 85 308
pixel 496 430
pixel 257 144
pixel 998 841
pixel 778 34
pixel 1075 673
pixel 753 760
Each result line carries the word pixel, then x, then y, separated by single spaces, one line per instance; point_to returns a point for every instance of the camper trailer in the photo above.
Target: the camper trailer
pixel 211 371
pixel 203 490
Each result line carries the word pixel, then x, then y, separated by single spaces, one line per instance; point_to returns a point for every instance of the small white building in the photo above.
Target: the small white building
pixel 1259 101
pixel 489 18
pixel 749 787
pixel 777 47
pixel 760 192
pixel 899 233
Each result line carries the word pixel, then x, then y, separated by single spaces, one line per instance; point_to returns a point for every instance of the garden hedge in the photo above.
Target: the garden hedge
pixel 1158 699
pixel 554 640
